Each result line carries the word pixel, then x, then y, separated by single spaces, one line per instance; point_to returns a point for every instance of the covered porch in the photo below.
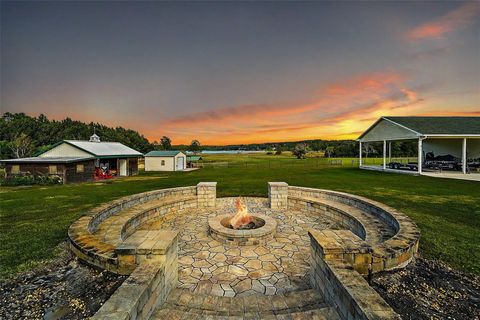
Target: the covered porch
pixel 446 155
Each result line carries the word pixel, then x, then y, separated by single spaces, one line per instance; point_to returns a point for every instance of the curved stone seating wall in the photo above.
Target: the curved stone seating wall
pixel 342 218
pixel 170 205
pixel 126 202
pixel 393 253
pixel 96 251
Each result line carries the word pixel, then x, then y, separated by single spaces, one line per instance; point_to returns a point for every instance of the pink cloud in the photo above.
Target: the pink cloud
pixel 328 113
pixel 458 18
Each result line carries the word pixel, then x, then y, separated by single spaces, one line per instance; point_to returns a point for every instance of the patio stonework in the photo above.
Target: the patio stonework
pixel 325 244
pixel 209 266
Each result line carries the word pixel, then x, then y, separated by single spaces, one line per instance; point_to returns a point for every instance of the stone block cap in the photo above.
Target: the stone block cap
pixel 207 184
pixel 278 184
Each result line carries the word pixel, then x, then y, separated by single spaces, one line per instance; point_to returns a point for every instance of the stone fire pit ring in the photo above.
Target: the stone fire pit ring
pixel 245 237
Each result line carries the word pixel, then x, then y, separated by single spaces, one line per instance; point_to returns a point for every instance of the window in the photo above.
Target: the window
pixel 163 162
pixel 52 169
pixel 16 168
pixel 80 168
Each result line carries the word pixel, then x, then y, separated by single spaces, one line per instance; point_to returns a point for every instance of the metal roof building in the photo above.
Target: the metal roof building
pixel 77 161
pixel 458 137
pixel 91 148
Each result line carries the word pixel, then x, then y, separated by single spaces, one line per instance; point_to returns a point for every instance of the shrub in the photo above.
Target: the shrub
pixel 28 179
pixel 300 151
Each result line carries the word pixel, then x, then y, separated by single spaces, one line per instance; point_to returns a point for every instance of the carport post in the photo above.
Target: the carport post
pixel 420 155
pixel 464 156
pixel 384 154
pixel 389 151
pixel 360 154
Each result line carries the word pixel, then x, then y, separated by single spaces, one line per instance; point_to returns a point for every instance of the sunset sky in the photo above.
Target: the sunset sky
pixel 240 72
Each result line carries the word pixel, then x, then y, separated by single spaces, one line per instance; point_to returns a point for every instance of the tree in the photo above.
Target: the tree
pixel 278 150
pixel 329 151
pixel 166 143
pixel 300 151
pixel 368 148
pixel 194 146
pixel 22 146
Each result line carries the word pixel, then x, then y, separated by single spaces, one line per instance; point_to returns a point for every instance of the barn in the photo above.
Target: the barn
pixel 165 161
pixel 447 145
pixel 78 161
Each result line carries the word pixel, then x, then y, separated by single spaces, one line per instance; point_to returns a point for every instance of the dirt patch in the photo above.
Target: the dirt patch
pixel 62 289
pixel 429 289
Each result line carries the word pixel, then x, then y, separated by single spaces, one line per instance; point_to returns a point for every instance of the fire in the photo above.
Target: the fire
pixel 242 217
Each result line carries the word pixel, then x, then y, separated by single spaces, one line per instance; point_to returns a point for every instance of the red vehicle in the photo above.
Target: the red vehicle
pixel 102 173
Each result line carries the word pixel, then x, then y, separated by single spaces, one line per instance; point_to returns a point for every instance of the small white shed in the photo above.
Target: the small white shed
pixel 165 161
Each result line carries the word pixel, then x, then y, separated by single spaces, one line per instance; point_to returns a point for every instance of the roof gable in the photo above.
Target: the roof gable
pixel 402 128
pixel 440 125
pixel 383 129
pixel 98 149
pixel 168 153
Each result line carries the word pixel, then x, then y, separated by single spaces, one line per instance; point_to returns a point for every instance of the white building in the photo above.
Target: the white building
pixel 455 137
pixel 165 161
pixel 118 157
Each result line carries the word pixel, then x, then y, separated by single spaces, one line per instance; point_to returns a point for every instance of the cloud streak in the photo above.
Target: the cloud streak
pixel 334 109
pixel 458 18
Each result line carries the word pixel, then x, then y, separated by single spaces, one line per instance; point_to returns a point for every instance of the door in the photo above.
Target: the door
pixel 123 167
pixel 180 163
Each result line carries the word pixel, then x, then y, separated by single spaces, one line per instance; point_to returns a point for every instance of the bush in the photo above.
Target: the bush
pixel 300 151
pixel 28 179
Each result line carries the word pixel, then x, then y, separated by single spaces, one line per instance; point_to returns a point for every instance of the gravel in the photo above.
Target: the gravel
pixel 429 289
pixel 61 289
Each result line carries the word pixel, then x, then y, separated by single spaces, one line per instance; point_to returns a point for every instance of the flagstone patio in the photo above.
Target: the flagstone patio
pixel 207 266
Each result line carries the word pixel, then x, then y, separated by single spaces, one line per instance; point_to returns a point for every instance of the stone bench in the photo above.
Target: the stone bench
pixel 95 237
pixel 363 225
pixel 368 220
pixel 117 228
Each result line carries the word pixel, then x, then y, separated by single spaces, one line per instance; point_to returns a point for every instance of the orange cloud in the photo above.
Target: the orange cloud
pixel 338 110
pixel 458 18
pixel 360 88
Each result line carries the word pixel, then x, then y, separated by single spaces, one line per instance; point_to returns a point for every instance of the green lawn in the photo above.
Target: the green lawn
pixel 35 219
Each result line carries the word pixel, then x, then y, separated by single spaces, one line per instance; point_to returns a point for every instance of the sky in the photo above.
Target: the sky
pixel 240 72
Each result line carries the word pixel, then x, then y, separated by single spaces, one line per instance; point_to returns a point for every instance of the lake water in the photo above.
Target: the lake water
pixel 229 151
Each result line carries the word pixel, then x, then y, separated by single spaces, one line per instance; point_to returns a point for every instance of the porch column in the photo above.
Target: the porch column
pixel 384 154
pixel 360 154
pixel 389 151
pixel 464 156
pixel 420 155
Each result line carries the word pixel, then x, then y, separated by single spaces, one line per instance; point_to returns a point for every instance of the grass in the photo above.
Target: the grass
pixel 34 220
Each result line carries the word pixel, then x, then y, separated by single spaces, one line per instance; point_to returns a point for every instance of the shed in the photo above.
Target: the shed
pixel 455 140
pixel 170 160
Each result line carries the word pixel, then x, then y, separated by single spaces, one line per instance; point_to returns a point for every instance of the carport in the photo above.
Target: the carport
pixel 445 144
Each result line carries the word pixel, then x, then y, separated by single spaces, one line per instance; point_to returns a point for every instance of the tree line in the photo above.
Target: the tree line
pixel 24 136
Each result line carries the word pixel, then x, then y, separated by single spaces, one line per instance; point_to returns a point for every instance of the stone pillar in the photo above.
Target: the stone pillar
pixel 278 195
pixel 206 194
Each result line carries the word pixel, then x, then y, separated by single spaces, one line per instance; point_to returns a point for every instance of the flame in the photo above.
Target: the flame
pixel 242 217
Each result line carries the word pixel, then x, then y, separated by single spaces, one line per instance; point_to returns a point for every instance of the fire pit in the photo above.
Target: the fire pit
pixel 242 229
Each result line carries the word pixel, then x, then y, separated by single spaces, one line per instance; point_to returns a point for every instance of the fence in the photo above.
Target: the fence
pixel 295 163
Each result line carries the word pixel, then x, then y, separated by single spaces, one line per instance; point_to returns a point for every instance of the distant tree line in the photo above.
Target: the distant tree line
pixel 23 136
pixel 330 148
